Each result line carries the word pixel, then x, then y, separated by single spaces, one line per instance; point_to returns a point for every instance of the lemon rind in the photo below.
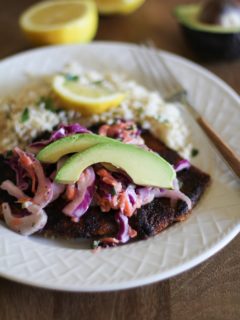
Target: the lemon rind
pixel 124 8
pixel 78 30
pixel 85 105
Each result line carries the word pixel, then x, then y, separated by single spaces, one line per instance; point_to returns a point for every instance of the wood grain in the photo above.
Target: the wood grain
pixel 210 291
pixel 231 158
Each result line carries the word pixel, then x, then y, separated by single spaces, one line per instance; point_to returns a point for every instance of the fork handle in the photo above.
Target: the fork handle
pixel 232 159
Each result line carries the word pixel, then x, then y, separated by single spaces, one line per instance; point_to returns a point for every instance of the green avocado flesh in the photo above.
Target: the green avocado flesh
pixel 143 167
pixel 188 15
pixel 71 144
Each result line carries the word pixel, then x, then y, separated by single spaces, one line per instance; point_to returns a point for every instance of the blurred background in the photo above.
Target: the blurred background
pixel 153 20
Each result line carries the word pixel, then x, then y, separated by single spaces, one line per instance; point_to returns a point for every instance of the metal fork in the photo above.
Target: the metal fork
pixel 150 62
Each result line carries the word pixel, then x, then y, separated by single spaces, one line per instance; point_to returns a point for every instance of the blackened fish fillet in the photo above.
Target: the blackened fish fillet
pixel 149 220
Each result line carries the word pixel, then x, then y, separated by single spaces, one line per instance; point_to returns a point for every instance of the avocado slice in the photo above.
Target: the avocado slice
pixel 207 39
pixel 145 168
pixel 71 144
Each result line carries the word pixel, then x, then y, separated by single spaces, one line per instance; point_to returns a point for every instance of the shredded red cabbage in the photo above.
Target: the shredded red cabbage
pixel 84 205
pixel 47 191
pixel 181 165
pixel 66 130
pixel 57 189
pixel 58 134
pixel 146 195
pixel 44 193
pixel 131 194
pixel 27 224
pixel 125 131
pixel 31 217
pixel 173 195
pixel 122 220
pixel 85 189
pixel 22 180
pixel 61 132
pixel 13 190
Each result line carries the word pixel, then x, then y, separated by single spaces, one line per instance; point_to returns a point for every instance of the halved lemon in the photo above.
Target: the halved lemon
pixel 118 6
pixel 87 99
pixel 63 21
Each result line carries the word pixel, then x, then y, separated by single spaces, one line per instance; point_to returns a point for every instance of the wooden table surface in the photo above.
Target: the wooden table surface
pixel 209 291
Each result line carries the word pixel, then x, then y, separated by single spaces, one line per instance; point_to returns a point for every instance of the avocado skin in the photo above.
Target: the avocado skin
pixel 211 45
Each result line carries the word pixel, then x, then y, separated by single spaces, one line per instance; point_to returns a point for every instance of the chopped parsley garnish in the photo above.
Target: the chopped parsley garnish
pixel 48 103
pixel 180 184
pixel 194 152
pixel 140 110
pixel 9 154
pixel 165 121
pixel 71 77
pixel 113 191
pixel 25 115
pixel 131 127
pixel 98 82
pixel 95 244
pixel 161 119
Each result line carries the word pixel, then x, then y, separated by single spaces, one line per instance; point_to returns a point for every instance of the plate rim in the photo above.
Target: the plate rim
pixel 147 280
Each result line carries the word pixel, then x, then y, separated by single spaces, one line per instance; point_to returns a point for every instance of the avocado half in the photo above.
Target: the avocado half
pixel 209 41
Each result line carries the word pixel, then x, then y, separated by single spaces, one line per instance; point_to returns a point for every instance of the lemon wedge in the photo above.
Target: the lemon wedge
pixel 87 99
pixel 118 6
pixel 63 21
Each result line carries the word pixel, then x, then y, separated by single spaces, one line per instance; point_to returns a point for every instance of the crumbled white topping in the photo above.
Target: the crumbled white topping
pixel 145 107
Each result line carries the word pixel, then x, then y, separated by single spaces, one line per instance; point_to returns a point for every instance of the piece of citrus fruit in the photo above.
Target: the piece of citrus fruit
pixel 118 6
pixel 87 99
pixel 63 21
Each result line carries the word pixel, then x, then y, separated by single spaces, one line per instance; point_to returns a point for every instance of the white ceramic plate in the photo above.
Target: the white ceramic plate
pixel 215 221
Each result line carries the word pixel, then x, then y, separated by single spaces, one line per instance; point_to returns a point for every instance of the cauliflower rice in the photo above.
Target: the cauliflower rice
pixel 35 110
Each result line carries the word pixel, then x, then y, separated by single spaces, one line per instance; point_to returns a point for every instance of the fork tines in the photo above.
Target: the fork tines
pixel 153 66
